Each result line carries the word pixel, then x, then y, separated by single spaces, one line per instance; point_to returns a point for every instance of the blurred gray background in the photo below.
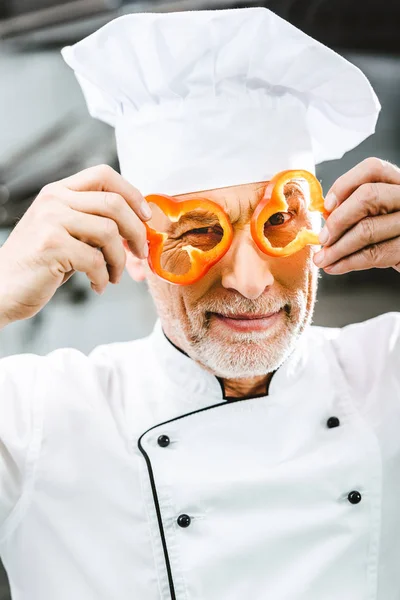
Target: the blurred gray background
pixel 46 134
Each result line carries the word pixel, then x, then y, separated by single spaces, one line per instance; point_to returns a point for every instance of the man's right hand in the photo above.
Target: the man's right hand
pixel 76 224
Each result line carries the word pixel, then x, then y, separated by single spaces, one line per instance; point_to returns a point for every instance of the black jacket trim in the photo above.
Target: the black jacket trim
pixel 154 488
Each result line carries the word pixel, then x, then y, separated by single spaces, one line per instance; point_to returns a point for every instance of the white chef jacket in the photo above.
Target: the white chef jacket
pixel 291 496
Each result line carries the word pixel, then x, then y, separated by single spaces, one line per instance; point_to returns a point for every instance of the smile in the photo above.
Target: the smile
pixel 248 322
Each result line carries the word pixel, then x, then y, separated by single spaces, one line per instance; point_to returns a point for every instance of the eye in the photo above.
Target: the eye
pixel 279 218
pixel 213 230
pixel 204 238
pixel 201 230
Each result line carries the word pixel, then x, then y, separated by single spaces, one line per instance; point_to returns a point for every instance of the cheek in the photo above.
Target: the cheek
pixel 174 300
pixel 293 271
pixel 193 295
pixel 163 294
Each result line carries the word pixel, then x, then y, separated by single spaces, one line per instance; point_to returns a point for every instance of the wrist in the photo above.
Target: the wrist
pixel 4 319
pixel 5 310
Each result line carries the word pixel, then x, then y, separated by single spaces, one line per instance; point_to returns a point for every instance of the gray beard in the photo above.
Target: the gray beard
pixel 248 354
pixel 244 355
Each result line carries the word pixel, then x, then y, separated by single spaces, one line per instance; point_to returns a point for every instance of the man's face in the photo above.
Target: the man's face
pixel 242 319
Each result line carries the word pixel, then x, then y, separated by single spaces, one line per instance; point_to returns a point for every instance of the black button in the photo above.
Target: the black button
pixel 354 497
pixel 163 441
pixel 333 422
pixel 184 520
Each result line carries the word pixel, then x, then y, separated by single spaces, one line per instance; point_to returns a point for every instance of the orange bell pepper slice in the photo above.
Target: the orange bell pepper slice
pixel 201 261
pixel 274 201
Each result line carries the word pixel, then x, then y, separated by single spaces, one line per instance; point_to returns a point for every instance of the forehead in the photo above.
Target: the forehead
pixel 240 200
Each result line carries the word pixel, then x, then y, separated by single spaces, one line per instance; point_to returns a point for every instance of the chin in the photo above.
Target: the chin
pixel 232 355
pixel 247 357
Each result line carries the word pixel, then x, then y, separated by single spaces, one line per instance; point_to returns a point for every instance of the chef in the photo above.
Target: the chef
pixel 237 452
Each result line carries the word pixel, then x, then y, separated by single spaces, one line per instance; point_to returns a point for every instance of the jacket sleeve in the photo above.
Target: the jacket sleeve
pixel 20 430
pixel 369 353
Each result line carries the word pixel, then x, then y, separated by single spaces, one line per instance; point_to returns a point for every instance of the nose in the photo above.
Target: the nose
pixel 245 268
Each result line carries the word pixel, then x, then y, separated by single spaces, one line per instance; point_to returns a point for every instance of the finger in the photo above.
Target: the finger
pixel 101 233
pixel 381 256
pixel 103 178
pixel 370 230
pixel 370 170
pixel 369 200
pixel 113 206
pixel 89 260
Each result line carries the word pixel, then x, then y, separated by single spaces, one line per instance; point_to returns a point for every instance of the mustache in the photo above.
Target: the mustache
pixel 236 304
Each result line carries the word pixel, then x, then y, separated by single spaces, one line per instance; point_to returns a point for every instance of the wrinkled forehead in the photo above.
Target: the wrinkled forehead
pixel 239 201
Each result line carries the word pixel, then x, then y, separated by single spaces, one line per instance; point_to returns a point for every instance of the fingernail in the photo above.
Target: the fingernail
pixel 329 269
pixel 319 258
pixel 323 235
pixel 145 210
pixel 330 201
pixel 99 291
pixel 146 250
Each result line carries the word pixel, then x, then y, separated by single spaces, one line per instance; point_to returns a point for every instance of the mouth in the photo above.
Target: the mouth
pixel 248 322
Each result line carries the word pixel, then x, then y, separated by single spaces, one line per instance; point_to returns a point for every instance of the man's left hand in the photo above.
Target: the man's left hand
pixel 363 229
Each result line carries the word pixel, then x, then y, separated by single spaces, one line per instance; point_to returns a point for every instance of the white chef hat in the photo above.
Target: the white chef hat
pixel 209 99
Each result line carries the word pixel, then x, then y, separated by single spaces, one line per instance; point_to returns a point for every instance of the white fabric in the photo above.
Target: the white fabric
pixel 264 480
pixel 209 99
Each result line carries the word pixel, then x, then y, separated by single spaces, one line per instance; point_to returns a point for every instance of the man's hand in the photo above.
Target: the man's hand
pixel 363 229
pixel 76 224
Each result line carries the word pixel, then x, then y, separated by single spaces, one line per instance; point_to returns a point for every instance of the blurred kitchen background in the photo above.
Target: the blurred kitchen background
pixel 46 134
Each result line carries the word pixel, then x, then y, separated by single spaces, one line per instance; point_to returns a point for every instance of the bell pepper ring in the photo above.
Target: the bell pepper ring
pixel 274 201
pixel 201 261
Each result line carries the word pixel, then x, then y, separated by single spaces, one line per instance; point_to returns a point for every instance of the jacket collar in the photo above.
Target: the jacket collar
pixel 192 378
